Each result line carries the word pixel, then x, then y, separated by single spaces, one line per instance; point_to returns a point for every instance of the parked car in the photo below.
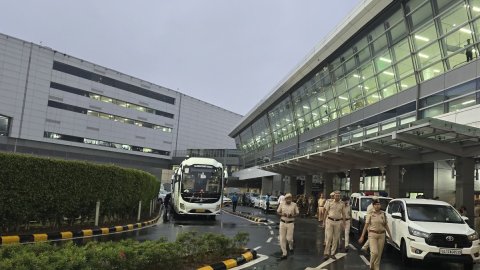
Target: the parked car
pixel 431 230
pixel 257 202
pixel 227 201
pixel 161 195
pixel 359 204
pixel 250 198
pixel 273 203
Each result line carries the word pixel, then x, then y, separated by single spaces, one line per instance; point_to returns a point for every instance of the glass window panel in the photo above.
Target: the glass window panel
pixel 398 32
pixel 433 111
pixel 454 18
pixel 346 110
pixel 395 18
pixel 425 36
pixel 353 79
pixel 383 61
pixel 93 96
pixel 474 7
pixel 340 86
pixel 329 93
pixel 413 4
pixel 370 85
pixel 433 99
pixel 363 55
pixel 456 60
pixel 446 4
pixel 389 125
pixel 375 97
pixel 379 45
pixel 338 73
pixel 350 64
pixel 429 55
pixel 401 50
pixel 380 29
pixel 367 70
pixel 462 103
pixel 461 90
pixel 405 67
pixel 433 71
pixel 343 99
pixel 407 82
pixel 420 16
pixel 386 77
pixel 389 90
pixel 356 95
pixel 106 99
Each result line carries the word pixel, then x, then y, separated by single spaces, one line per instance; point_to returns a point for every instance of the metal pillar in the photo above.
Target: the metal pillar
pixel 354 180
pixel 308 184
pixel 464 183
pixel 392 181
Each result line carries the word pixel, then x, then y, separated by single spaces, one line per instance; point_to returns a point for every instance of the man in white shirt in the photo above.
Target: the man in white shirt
pixel 281 198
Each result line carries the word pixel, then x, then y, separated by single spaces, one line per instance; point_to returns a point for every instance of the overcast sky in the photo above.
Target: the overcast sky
pixel 230 53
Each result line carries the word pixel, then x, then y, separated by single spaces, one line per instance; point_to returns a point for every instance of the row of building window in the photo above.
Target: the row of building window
pixel 416 40
pixel 63 137
pixel 68 107
pixel 106 99
pixel 75 71
pixel 451 100
pixel 4 125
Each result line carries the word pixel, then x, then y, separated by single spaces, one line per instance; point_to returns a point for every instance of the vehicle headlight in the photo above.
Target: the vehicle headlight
pixel 473 236
pixel 418 233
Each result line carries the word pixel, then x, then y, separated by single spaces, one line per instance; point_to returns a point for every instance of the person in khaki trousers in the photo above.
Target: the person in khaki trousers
pixel 348 217
pixel 335 214
pixel 287 211
pixel 321 207
pixel 377 225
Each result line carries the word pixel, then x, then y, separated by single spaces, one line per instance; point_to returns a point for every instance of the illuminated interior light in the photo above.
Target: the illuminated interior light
pixel 468 102
pixel 476 9
pixel 465 30
pixel 288 120
pixel 404 85
pixel 343 98
pixel 356 75
pixel 306 107
pixel 375 96
pixel 325 106
pixel 314 114
pixel 423 55
pixel 321 99
pixel 385 60
pixel 300 119
pixel 366 87
pixel 436 71
pixel 422 38
pixel 388 73
pixel 325 119
pixel 277 125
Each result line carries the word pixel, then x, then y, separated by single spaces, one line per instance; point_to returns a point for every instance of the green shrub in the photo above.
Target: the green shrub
pixel 49 190
pixel 127 254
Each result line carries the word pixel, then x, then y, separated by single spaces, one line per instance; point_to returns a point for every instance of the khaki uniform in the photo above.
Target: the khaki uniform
pixel 376 235
pixel 321 208
pixel 334 211
pixel 327 202
pixel 348 219
pixel 367 243
pixel 287 225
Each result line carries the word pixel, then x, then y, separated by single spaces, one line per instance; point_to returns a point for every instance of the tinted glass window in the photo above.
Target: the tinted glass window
pixel 433 213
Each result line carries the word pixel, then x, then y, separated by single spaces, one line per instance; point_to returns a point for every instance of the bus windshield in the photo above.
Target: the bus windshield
pixel 201 179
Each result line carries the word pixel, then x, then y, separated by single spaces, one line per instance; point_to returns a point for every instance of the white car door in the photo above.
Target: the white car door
pixel 392 206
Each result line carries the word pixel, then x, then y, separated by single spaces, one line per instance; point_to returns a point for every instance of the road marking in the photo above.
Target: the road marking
pixel 257 248
pixel 365 260
pixel 352 247
pixel 271 222
pixel 259 258
pixel 271 232
pixel 327 262
pixel 270 227
pixel 269 240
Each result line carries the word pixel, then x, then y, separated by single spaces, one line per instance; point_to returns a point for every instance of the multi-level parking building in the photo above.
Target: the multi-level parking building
pixel 389 101
pixel 57 105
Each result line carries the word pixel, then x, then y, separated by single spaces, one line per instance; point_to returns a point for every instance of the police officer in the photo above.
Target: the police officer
pixel 324 217
pixel 335 215
pixel 376 224
pixel 348 217
pixel 287 211
pixel 321 208
pixel 369 211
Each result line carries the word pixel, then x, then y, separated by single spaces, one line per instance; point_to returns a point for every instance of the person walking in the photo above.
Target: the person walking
pixel 469 51
pixel 321 208
pixel 335 214
pixel 267 203
pixel 287 211
pixel 376 224
pixel 234 202
pixel 281 198
pixel 348 217
pixel 166 206
pixel 370 209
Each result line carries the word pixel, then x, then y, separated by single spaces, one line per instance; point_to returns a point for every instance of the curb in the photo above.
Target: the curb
pixel 231 263
pixel 66 235
pixel 250 217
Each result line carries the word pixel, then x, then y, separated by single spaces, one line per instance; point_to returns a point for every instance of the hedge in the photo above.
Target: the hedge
pixel 53 192
pixel 189 250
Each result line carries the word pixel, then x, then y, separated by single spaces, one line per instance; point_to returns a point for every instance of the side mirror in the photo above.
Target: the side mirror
pixel 465 218
pixel 396 215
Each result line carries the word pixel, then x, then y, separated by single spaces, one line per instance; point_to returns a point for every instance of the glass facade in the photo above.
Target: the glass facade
pixel 411 42
pixel 4 125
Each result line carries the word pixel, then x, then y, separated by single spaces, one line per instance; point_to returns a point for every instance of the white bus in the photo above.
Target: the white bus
pixel 197 187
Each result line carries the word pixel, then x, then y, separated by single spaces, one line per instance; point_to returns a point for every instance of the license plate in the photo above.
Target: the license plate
pixel 450 251
pixel 200 210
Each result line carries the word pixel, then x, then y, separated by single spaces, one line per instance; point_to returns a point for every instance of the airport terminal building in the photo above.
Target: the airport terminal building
pixel 390 101
pixel 57 105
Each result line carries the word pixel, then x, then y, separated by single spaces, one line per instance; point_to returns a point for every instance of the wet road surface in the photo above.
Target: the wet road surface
pixel 308 237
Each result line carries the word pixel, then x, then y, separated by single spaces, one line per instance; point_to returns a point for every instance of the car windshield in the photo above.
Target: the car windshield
pixel 433 213
pixel 273 199
pixel 367 201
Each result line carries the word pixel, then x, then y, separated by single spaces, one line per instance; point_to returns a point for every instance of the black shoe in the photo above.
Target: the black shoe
pixel 282 258
pixel 332 257
pixel 326 257
pixel 291 251
pixel 346 250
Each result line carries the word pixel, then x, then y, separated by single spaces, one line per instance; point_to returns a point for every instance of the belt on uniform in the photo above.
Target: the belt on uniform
pixel 377 232
pixel 334 219
pixel 286 221
pixel 347 219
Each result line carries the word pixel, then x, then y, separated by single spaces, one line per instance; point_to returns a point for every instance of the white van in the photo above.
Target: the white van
pixel 359 204
pixel 431 230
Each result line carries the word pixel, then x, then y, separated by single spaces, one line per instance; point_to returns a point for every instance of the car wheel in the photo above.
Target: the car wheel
pixel 403 250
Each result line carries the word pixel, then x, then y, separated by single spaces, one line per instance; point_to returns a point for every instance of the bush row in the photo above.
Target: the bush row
pixel 190 250
pixel 53 191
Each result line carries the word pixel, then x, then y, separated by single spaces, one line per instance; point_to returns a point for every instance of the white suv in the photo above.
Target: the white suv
pixel 359 204
pixel 431 230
